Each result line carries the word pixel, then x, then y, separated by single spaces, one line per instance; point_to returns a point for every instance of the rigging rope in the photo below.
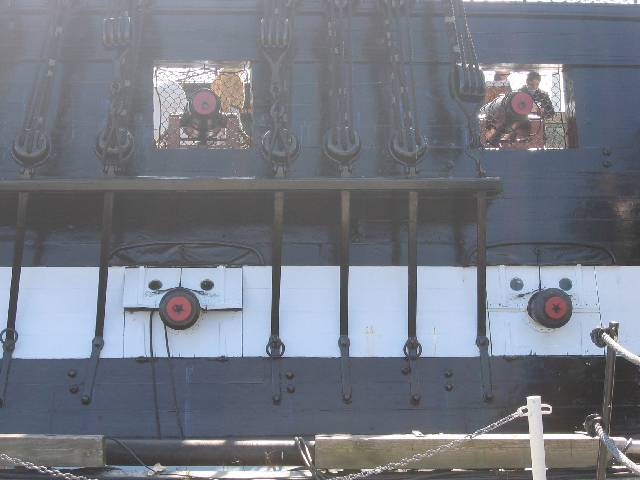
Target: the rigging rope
pixel 614 450
pixel 620 350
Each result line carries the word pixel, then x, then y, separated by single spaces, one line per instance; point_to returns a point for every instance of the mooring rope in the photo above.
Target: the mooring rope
pixel 620 350
pixel 614 450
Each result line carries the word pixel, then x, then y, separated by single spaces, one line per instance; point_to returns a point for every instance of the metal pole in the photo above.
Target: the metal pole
pixel 536 438
pixel 607 402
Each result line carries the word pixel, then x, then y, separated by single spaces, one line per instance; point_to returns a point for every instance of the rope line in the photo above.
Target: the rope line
pixel 614 450
pixel 620 350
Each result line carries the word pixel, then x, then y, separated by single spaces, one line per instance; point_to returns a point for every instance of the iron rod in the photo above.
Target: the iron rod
pixel 412 265
pixel 105 252
pixel 276 261
pixel 345 240
pixel 16 269
pixel 481 270
pixel 607 402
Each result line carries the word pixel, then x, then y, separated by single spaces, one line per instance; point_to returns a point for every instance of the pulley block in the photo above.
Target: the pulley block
pixel 551 307
pixel 342 145
pixel 282 149
pixel 115 149
pixel 407 149
pixel 32 149
pixel 179 308
pixel 116 32
pixel 467 84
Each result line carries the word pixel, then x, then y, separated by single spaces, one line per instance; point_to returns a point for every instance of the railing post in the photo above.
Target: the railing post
pixel 536 438
pixel 607 402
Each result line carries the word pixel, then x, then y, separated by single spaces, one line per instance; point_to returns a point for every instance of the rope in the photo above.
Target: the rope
pixel 615 451
pixel 620 350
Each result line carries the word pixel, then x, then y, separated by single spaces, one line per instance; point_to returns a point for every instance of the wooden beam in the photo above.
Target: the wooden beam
pixel 55 450
pixel 484 452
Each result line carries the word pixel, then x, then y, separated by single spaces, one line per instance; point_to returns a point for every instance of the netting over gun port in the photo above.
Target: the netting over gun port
pixel 202 105
pixel 528 108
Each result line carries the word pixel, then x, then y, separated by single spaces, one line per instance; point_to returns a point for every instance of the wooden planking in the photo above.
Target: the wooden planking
pixel 486 451
pixel 55 450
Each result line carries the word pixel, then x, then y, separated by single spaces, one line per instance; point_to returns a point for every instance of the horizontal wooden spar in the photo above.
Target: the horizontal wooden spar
pixel 355 452
pixel 441 186
pixel 55 450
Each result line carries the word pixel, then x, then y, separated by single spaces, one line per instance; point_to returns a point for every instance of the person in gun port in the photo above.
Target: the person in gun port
pixel 540 97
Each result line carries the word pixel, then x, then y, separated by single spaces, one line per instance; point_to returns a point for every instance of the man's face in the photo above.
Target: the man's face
pixel 533 84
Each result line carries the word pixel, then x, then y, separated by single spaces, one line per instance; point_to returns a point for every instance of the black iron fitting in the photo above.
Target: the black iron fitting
pixel 482 341
pixel 596 334
pixel 275 350
pixel 9 336
pixel 32 147
pixel 279 145
pixel 345 368
pixel 275 347
pixel 412 351
pixel 90 377
pixel 406 146
pixel 590 424
pixel 101 299
pixel 341 142
pixel 412 348
pixel 122 32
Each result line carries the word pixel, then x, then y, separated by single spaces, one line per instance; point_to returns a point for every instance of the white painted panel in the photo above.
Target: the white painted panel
pixel 620 301
pixel 309 313
pixel 447 311
pixel 226 293
pixel 256 311
pixel 216 334
pixel 514 333
pixel 378 311
pixel 137 292
pixel 56 313
pixel 5 283
pixel 583 292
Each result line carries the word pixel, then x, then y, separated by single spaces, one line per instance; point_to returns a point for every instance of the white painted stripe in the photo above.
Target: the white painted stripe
pixel 56 313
